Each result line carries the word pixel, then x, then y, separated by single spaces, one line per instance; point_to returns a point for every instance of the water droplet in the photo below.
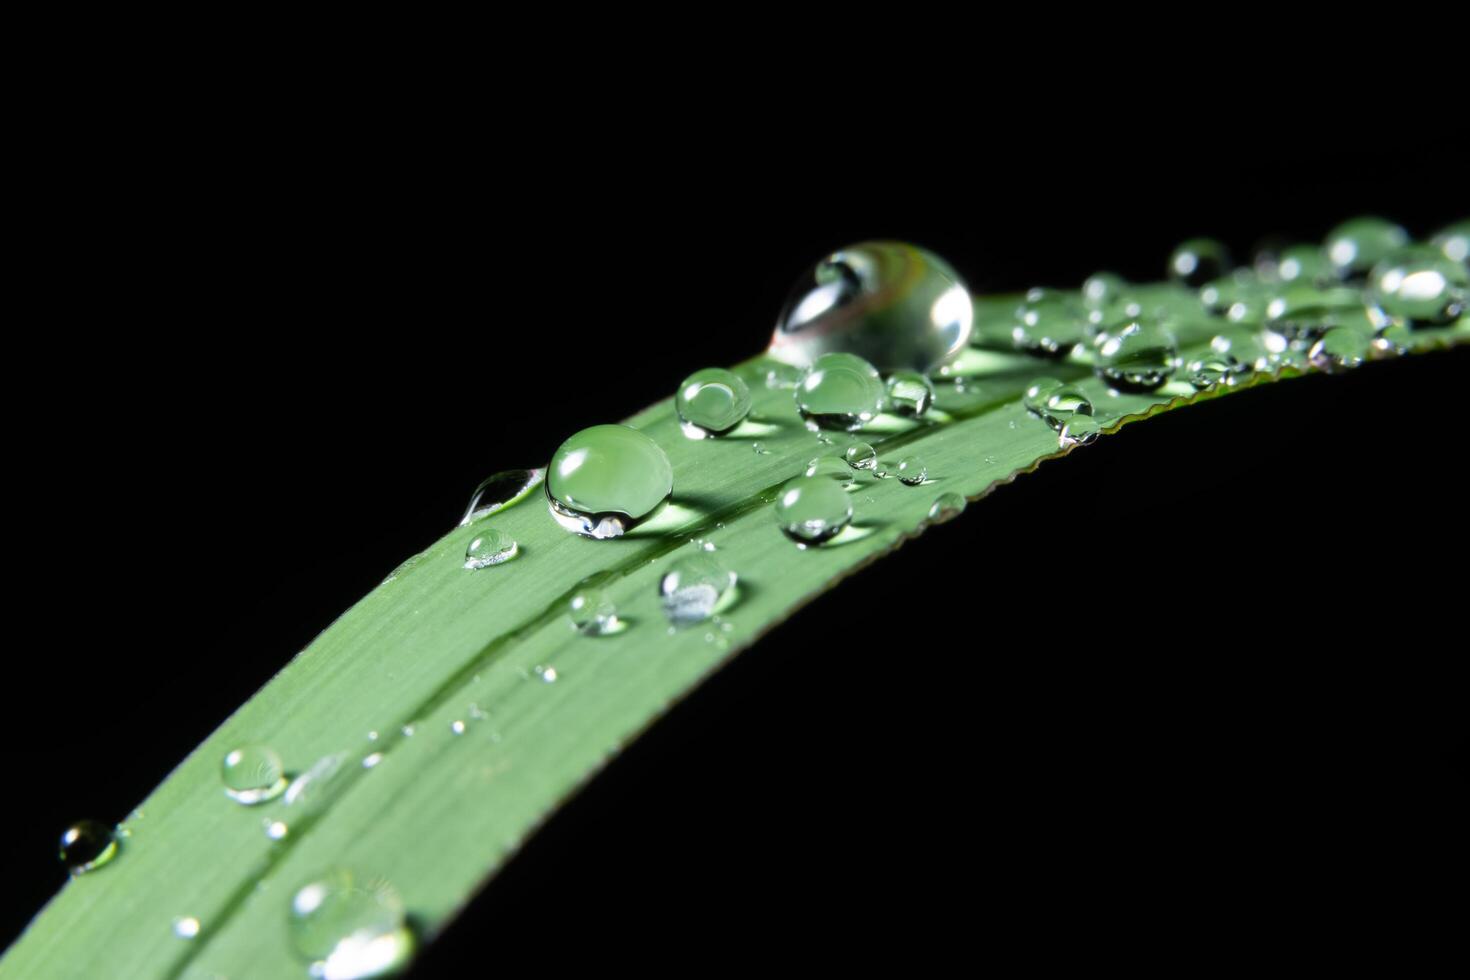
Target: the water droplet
pixel 760 450
pixel 811 510
pixel 1355 246
pixel 1139 358
pixel 490 547
pixel 840 391
pixel 1339 349
pixel 831 468
pixel 408 730
pixel 1420 285
pixel 1103 289
pixel 1454 242
pixel 456 727
pixel 87 845
pixel 909 394
pixel 711 402
pixel 893 304
pixel 946 507
pixel 696 586
pixel 1304 313
pixel 1079 430
pixel 1061 402
pixel 861 456
pixel 607 479
pixel 1048 324
pixel 350 926
pixel 1199 260
pixel 501 491
pixel 782 376
pixel 1212 369
pixel 592 612
pixel 186 927
pixel 1244 346
pixel 1239 296
pixel 253 774
pixel 911 471
pixel 1034 398
pixel 1304 265
pixel 1393 338
pixel 314 787
pixel 371 759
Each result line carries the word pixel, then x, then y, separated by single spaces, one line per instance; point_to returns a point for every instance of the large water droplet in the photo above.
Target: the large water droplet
pixel 350 926
pixel 895 305
pixel 253 774
pixel 1355 246
pixel 87 845
pixel 1141 357
pixel 840 391
pixel 1453 242
pixel 861 456
pixel 501 491
pixel 695 586
pixel 490 547
pixel 946 507
pixel 831 468
pixel 911 471
pixel 909 394
pixel 1199 260
pixel 1340 349
pixel 605 480
pixel 811 510
pixel 1421 286
pixel 1048 324
pixel 592 612
pixel 711 402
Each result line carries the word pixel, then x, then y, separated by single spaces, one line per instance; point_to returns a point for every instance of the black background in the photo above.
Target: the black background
pixel 1213 694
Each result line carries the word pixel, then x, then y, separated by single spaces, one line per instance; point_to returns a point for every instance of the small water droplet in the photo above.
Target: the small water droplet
pixel 592 613
pixel 1036 393
pixel 840 391
pixel 909 394
pixel 314 787
pixel 810 510
pixel 912 471
pixel 711 402
pixel 1048 324
pixel 831 468
pixel 946 507
pixel 501 491
pixel 1199 260
pixel 1339 349
pixel 186 927
pixel 1239 296
pixel 371 760
pixel 350 925
pixel 1245 347
pixel 456 727
pixel 253 774
pixel 87 845
pixel 1355 246
pixel 861 456
pixel 760 450
pixel 408 730
pixel 490 547
pixel 1062 402
pixel 1212 369
pixel 1453 242
pixel 1421 286
pixel 1393 338
pixel 607 479
pixel 1103 289
pixel 372 736
pixel 1304 265
pixel 275 829
pixel 1079 431
pixel 1139 358
pixel 695 587
pixel 547 673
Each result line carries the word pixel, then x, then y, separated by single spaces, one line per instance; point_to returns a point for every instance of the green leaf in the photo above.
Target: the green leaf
pixel 479 709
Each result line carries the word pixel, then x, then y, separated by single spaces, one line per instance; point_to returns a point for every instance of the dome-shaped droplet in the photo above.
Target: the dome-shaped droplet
pixel 1420 285
pixel 1048 324
pixel 350 925
pixel 605 480
pixel 501 491
pixel 1079 430
pixel 695 586
pixel 322 782
pixel 1393 337
pixel 909 394
pixel 911 471
pixel 832 468
pixel 87 845
pixel 253 774
pixel 1062 402
pixel 861 456
pixel 491 546
pixel 1036 393
pixel 1355 246
pixel 895 305
pixel 592 613
pixel 1340 349
pixel 1454 242
pixel 711 402
pixel 1238 296
pixel 1244 346
pixel 1304 265
pixel 1103 289
pixel 1141 357
pixel 1305 313
pixel 1212 369
pixel 1198 261
pixel 840 391
pixel 810 510
pixel 946 507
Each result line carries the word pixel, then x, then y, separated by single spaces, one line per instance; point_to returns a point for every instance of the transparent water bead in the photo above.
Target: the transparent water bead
pixel 1453 242
pixel 695 586
pixel 607 479
pixel 1304 313
pixel 1062 402
pixel 946 507
pixel 1304 265
pixel 832 468
pixel 911 471
pixel 861 456
pixel 1246 347
pixel 1079 431
pixel 910 394
pixel 1212 369
pixel 350 925
pixel 87 845
pixel 1340 349
pixel 253 774
pixel 890 303
pixel 1036 393
pixel 186 926
pixel 711 402
pixel 1238 296
pixel 1421 286
pixel 592 613
pixel 490 547
pixel 1048 324
pixel 1354 247
pixel 840 391
pixel 1140 358
pixel 810 510
pixel 312 789
pixel 1393 338
pixel 1102 290
pixel 1198 261
pixel 500 491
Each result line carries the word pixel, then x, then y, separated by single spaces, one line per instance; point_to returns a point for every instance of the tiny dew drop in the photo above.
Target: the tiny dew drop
pixel 547 673
pixel 490 547
pixel 607 479
pixel 1198 261
pixel 1355 246
pixel 253 774
pixel 1048 324
pixel 1212 369
pixel 350 925
pixel 810 510
pixel 592 612
pixel 696 586
pixel 911 471
pixel 1140 358
pixel 1393 338
pixel 861 456
pixel 186 927
pixel 500 491
pixel 946 507
pixel 832 468
pixel 1339 349
pixel 909 394
pixel 87 845
pixel 311 790
pixel 840 391
pixel 1079 431
pixel 711 402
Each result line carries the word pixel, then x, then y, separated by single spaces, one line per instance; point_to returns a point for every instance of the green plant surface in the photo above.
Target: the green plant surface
pixel 488 709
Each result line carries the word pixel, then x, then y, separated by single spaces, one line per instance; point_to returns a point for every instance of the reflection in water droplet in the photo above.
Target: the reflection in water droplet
pixel 490 547
pixel 313 788
pixel 1355 246
pixel 1062 402
pixel 1079 431
pixel 811 510
pixel 500 491
pixel 695 585
pixel 456 727
pixel 606 479
pixel 1034 398
pixel 350 926
pixel 1420 285
pixel 912 471
pixel 1339 349
pixel 1212 369
pixel 711 402
pixel 1305 313
pixel 893 304
pixel 547 673
pixel 1453 242
pixel 1140 358
pixel 275 829
pixel 1199 260
pixel 909 394
pixel 861 456
pixel 1048 324
pixel 831 468
pixel 840 391
pixel 592 612
pixel 253 774
pixel 946 507
pixel 87 845
pixel 186 927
